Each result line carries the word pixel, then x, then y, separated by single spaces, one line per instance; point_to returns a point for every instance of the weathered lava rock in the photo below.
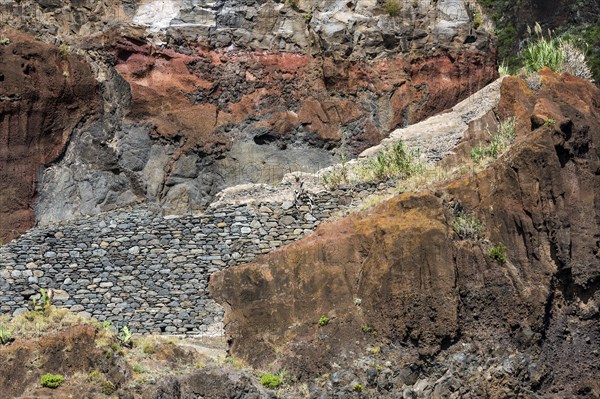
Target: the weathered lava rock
pixel 43 95
pixel 207 97
pixel 401 270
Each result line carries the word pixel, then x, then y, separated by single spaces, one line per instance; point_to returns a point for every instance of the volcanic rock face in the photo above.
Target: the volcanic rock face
pixel 212 97
pixel 228 94
pixel 43 96
pixel 400 269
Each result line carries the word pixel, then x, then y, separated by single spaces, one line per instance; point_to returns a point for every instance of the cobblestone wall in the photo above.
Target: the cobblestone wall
pixel 147 271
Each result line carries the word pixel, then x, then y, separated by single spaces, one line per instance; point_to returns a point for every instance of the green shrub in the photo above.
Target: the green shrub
pixel 366 328
pixel 338 176
pixel 478 153
pixel 271 381
pixel 477 19
pixel 467 226
pixel 106 325
pixel 5 41
pixel 357 388
pixel 507 36
pixel 323 321
pixel 51 380
pixel 392 7
pixel 498 253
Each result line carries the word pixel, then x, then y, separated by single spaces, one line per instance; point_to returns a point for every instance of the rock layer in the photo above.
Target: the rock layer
pixel 209 98
pixel 44 95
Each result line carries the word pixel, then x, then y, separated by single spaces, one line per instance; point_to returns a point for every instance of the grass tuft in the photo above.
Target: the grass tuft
pixel 395 162
pixel 501 141
pixel 392 7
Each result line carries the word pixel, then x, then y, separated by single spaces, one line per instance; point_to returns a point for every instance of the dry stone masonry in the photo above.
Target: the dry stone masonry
pixel 150 272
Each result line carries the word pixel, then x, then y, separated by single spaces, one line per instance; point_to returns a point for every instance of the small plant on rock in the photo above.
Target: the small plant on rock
pixel 338 176
pixel 5 336
pixel 5 41
pixel 501 141
pixel 503 69
pixel 549 122
pixel 42 304
pixel 106 324
pixel 125 337
pixel 392 7
pixel 396 161
pixel 139 369
pixel 498 253
pixel 51 380
pixel 323 321
pixel 64 50
pixel 477 20
pixel 467 226
pixel 271 381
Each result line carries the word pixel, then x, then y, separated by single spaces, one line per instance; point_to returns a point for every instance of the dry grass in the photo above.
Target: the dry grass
pixel 374 200
pixel 32 325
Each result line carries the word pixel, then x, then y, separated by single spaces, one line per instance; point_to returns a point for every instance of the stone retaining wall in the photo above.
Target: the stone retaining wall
pixel 147 271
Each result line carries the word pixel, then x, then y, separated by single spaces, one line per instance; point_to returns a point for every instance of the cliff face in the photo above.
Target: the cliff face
pixel 401 271
pixel 198 97
pixel 43 96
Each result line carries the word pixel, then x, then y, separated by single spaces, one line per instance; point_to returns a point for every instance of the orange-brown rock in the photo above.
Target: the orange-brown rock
pixel 197 95
pixel 401 270
pixel 65 352
pixel 43 95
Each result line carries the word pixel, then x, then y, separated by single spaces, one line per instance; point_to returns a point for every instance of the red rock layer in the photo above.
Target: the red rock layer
pixel 281 94
pixel 43 95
